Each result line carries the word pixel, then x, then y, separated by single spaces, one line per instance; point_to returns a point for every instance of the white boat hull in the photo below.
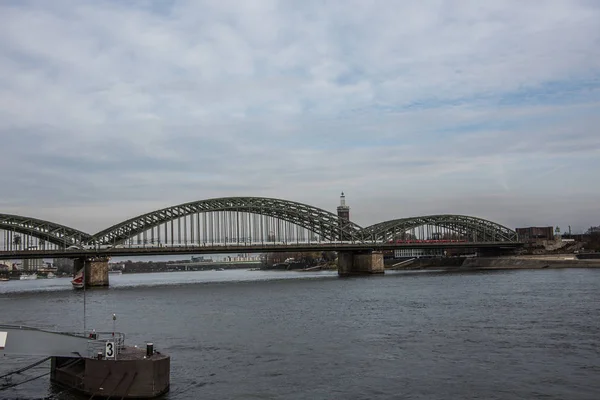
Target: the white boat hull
pixel 77 281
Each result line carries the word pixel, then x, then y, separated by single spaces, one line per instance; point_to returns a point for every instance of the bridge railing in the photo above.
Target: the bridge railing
pixel 98 341
pixel 216 244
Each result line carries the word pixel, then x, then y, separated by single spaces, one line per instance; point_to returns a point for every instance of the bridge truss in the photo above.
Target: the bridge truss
pixel 22 233
pixel 231 220
pixel 246 222
pixel 440 227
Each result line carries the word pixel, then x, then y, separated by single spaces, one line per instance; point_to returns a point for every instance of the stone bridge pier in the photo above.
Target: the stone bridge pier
pixel 360 263
pixel 96 270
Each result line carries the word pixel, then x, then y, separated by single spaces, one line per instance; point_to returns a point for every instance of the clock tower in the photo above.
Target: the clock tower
pixel 343 211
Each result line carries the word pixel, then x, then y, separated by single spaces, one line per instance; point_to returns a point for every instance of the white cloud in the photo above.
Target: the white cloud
pixel 108 109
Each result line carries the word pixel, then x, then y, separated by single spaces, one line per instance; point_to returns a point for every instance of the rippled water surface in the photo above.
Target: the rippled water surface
pixel 286 335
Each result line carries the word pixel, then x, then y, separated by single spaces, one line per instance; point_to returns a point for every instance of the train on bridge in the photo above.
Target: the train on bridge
pixel 431 241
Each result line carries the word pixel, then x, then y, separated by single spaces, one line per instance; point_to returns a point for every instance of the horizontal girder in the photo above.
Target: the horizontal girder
pixel 235 248
pixel 44 230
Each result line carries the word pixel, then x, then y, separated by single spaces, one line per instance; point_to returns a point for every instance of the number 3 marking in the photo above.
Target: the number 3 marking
pixel 110 350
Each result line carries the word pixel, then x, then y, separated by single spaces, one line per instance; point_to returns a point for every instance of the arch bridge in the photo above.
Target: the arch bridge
pixel 22 233
pixel 440 227
pixel 247 224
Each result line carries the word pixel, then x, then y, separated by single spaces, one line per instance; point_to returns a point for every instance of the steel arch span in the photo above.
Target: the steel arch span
pixel 51 232
pixel 472 229
pixel 321 222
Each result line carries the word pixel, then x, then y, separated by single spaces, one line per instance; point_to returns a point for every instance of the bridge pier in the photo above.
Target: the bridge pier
pixel 360 263
pixel 96 270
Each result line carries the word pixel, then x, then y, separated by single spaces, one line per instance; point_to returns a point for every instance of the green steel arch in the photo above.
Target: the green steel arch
pixel 473 228
pixel 44 230
pixel 324 223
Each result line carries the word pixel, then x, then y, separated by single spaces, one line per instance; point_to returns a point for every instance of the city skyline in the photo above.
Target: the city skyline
pixel 110 110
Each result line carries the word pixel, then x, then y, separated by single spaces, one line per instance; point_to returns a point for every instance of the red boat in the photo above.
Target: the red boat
pixel 77 281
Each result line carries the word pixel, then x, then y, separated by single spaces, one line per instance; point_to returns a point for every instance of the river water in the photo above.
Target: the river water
pixel 290 335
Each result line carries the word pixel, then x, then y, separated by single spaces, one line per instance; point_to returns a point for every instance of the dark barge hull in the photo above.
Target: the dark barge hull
pixel 131 376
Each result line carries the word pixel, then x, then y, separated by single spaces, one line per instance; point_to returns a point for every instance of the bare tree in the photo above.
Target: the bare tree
pixel 593 230
pixel 593 238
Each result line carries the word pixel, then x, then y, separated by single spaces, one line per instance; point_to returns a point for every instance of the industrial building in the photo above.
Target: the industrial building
pixel 535 233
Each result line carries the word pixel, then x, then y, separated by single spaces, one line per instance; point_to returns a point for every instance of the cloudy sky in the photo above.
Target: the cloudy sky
pixel 109 109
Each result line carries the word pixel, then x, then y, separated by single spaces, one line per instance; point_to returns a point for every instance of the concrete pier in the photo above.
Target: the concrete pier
pixel 96 270
pixel 363 263
pixel 97 365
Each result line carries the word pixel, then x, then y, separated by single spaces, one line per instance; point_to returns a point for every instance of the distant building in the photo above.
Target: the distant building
pixel 241 258
pixel 578 237
pixel 33 265
pixel 64 265
pixel 535 233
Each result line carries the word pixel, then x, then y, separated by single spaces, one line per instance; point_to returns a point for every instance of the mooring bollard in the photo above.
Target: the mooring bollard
pixel 149 349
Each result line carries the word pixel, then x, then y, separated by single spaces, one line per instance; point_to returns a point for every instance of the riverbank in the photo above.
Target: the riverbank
pixel 423 263
pixel 529 262
pixel 137 267
pixel 507 262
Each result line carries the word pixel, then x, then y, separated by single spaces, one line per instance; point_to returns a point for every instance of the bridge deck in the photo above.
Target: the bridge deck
pixel 255 248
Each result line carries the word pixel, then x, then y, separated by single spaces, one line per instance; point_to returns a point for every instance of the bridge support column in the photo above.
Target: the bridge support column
pixel 353 263
pixel 96 270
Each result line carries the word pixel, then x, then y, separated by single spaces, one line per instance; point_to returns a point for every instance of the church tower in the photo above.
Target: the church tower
pixel 343 211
